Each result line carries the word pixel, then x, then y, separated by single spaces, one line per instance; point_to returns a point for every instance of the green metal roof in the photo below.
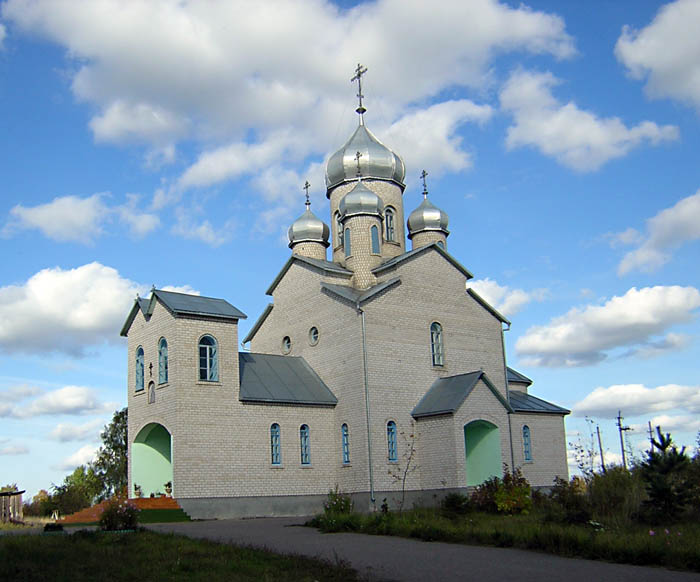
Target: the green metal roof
pixel 516 377
pixel 273 379
pixel 522 402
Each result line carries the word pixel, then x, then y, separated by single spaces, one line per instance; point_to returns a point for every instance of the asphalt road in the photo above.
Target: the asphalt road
pixel 385 558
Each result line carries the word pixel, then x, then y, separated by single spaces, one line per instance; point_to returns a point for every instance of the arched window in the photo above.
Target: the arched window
pixel 151 392
pixel 162 361
pixel 208 359
pixel 436 346
pixel 347 242
pixel 527 445
pixel 392 454
pixel 389 215
pixel 139 369
pixel 338 229
pixel 374 235
pixel 275 445
pixel 346 443
pixel 304 444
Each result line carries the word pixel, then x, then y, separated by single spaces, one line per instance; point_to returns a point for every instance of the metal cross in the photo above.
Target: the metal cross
pixel 425 186
pixel 358 155
pixel 359 71
pixel 306 187
pixel 150 369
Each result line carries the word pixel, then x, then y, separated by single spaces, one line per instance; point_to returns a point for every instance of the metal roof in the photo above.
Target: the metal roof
pixel 281 380
pixel 258 323
pixel 447 394
pixel 185 304
pixel 415 252
pixel 522 402
pixel 322 265
pixel 516 377
pixel 355 296
pixel 479 299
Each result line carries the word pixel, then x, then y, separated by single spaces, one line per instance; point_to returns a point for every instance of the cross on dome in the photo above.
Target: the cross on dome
pixel 359 71
pixel 423 175
pixel 306 188
pixel 358 155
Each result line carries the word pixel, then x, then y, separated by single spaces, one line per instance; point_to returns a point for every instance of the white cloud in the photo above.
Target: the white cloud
pixel 68 218
pixel 126 123
pixel 74 432
pixel 629 236
pixel 190 228
pixel 181 289
pixel 18 393
pixel 82 456
pixel 3 34
pixel 60 310
pixel 637 400
pixel 574 137
pixel 666 53
pixel 67 400
pixel 583 336
pixel 14 450
pixel 666 232
pixel 671 342
pixel 672 423
pixel 139 223
pixel 504 299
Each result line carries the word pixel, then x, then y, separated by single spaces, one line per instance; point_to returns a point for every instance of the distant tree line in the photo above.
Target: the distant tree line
pixel 93 482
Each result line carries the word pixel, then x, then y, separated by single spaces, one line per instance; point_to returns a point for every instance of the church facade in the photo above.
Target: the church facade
pixel 371 359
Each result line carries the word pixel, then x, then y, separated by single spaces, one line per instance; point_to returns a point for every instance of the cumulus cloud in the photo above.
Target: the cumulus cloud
pixel 187 226
pixel 77 432
pixel 584 336
pixel 60 310
pixel 503 298
pixel 574 137
pixel 82 456
pixel 665 232
pixel 666 53
pixel 637 399
pixel 127 123
pixel 67 400
pixel 14 450
pixel 669 423
pixel 18 393
pixel 75 219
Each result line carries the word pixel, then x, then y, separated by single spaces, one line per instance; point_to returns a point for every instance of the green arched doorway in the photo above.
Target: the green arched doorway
pixel 151 459
pixel 482 444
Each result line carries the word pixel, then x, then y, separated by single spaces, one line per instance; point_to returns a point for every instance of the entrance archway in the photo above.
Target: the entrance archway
pixel 151 459
pixel 482 444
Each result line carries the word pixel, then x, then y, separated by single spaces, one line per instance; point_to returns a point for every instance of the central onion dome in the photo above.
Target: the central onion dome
pixel 308 228
pixel 360 200
pixel 427 217
pixel 376 160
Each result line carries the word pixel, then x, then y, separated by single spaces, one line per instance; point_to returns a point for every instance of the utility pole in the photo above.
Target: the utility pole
pixel 600 447
pixel 622 430
pixel 651 435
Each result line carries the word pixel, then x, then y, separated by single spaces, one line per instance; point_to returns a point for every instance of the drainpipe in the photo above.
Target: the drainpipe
pixel 369 439
pixel 505 376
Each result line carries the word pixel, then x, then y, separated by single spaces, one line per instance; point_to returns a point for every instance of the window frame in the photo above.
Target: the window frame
pixel 437 344
pixel 375 243
pixel 162 361
pixel 389 226
pixel 345 443
pixel 211 357
pixel 347 244
pixel 527 444
pixel 275 444
pixel 339 230
pixel 139 370
pixel 151 392
pixel 392 450
pixel 305 445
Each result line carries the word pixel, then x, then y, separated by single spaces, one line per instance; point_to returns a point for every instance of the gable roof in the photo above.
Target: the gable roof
pixel 281 380
pixel 258 323
pixel 324 266
pixel 479 299
pixel 357 297
pixel 415 252
pixel 447 394
pixel 182 304
pixel 515 377
pixel 522 402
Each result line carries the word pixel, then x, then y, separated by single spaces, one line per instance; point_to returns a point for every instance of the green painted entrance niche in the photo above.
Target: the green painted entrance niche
pixel 151 459
pixel 482 444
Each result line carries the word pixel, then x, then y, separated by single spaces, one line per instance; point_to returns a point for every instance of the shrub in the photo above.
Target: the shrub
pixel 484 496
pixel 338 503
pixel 119 514
pixel 616 495
pixel 513 495
pixel 455 504
pixel 571 504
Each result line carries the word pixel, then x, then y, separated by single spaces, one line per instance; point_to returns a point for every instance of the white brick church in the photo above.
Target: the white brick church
pixel 356 352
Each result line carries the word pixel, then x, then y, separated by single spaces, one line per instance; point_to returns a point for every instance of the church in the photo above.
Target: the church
pixel 375 369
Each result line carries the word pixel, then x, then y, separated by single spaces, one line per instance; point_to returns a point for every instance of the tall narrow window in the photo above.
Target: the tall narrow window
pixel 389 223
pixel 346 443
pixel 162 361
pixel 374 232
pixel 338 229
pixel 208 359
pixel 527 446
pixel 436 346
pixel 347 242
pixel 304 443
pixel 391 441
pixel 275 445
pixel 139 369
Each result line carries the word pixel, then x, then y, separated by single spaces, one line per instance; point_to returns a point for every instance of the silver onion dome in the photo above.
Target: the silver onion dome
pixel 376 160
pixel 360 200
pixel 308 228
pixel 427 217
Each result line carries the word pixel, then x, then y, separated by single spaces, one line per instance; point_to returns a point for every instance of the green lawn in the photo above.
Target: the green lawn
pixel 148 556
pixel 675 546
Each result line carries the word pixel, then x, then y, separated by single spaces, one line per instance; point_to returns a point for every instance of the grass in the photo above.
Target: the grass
pixel 146 555
pixel 678 549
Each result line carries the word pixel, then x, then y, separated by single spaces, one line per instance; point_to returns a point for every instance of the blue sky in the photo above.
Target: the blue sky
pixel 167 143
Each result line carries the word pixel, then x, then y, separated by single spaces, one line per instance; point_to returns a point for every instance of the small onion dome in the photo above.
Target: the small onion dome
pixel 427 217
pixel 376 161
pixel 308 228
pixel 360 200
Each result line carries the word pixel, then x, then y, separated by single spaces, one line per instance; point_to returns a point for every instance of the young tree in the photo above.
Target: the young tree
pixel 111 462
pixel 403 470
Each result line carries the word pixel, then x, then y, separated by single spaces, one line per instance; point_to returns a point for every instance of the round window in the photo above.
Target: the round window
pixel 313 336
pixel 286 344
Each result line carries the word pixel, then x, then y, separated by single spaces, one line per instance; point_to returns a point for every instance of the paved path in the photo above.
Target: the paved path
pixel 388 558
